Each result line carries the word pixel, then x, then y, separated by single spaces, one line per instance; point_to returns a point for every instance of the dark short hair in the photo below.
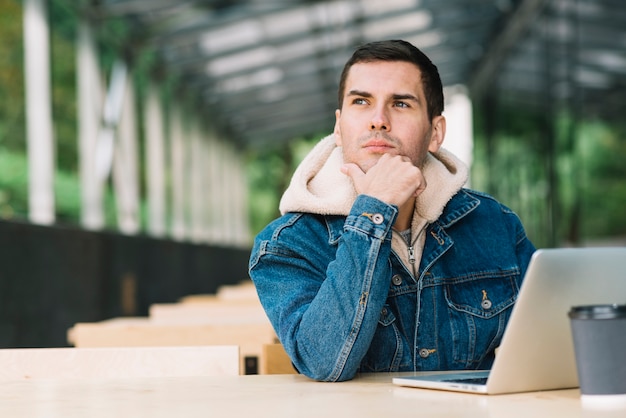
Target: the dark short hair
pixel 398 50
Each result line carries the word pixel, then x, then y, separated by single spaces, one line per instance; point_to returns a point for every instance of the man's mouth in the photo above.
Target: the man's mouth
pixel 378 146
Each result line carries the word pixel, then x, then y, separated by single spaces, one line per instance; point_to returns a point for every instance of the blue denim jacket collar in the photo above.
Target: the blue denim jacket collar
pixel 458 207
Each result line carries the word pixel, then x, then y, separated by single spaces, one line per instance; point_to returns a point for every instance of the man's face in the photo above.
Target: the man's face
pixel 384 111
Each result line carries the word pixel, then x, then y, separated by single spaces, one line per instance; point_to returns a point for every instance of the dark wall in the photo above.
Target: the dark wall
pixel 53 277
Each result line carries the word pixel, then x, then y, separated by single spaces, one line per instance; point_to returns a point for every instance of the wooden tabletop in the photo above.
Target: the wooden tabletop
pixel 275 396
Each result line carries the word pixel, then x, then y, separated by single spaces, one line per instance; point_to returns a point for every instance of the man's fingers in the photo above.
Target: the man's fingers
pixel 356 175
pixel 352 170
pixel 393 179
pixel 420 188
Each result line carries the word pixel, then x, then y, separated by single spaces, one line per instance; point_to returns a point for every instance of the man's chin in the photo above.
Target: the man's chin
pixel 368 163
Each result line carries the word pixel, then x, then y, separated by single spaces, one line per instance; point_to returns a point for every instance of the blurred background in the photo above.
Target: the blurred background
pixel 148 141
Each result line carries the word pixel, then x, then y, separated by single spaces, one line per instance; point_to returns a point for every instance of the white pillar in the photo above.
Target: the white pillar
pixel 206 185
pixel 90 96
pixel 225 194
pixel 230 197
pixel 40 141
pixel 242 226
pixel 125 166
pixel 197 194
pixel 155 162
pixel 459 127
pixel 212 175
pixel 177 155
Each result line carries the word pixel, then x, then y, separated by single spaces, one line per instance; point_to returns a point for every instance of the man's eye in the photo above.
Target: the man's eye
pixel 401 104
pixel 359 101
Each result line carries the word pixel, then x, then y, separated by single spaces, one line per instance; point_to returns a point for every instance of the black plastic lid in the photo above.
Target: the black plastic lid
pixel 598 312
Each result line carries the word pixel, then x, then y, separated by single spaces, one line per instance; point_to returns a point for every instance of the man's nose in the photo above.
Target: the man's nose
pixel 379 121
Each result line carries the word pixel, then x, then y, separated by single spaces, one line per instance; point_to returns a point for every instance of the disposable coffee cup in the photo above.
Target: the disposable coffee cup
pixel 599 335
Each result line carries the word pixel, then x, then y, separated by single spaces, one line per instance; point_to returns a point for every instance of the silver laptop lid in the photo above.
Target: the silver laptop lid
pixel 537 350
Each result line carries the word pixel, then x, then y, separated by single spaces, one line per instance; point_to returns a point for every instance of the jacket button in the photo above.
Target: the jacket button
pixel 486 304
pixel 378 219
pixel 424 352
pixel 396 279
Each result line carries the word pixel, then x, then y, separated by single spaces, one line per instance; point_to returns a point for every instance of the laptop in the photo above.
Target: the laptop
pixel 536 351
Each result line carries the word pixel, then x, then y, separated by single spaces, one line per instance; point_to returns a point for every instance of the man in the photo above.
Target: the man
pixel 382 261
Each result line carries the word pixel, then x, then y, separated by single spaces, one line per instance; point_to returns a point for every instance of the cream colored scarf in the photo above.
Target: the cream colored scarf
pixel 318 186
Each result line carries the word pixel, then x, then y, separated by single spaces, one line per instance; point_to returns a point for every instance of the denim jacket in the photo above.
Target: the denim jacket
pixel 342 302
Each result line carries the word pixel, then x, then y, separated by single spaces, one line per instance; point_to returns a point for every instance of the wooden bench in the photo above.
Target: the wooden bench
pixel 233 316
pixel 134 332
pixel 217 311
pixel 274 360
pixel 239 292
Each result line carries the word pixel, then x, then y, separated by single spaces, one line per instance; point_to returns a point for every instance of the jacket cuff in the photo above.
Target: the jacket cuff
pixel 372 216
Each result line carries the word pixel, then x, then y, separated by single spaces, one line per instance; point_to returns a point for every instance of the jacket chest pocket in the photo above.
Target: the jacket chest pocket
pixel 479 311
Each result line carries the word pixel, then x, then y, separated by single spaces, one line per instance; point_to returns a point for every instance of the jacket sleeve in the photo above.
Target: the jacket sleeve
pixel 324 293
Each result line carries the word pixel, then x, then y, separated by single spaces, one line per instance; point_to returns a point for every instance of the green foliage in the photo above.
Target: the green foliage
pixel 63 81
pixel 603 150
pixel 12 107
pixel 269 171
pixel 13 185
pixel 576 196
pixel 14 192
pixel 12 115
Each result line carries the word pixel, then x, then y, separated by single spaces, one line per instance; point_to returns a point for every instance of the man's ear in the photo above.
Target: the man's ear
pixel 337 131
pixel 438 133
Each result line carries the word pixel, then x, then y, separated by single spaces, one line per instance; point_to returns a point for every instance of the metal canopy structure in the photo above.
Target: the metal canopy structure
pixel 266 71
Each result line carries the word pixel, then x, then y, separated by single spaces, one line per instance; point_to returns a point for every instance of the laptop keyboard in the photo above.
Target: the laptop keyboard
pixel 469 380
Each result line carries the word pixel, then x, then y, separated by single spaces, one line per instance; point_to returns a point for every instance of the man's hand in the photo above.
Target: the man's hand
pixel 393 179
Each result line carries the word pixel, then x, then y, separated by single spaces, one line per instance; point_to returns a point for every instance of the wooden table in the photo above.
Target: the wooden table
pixel 274 396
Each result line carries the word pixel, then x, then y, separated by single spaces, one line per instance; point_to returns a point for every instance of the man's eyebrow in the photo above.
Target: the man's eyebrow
pixel 359 93
pixel 396 96
pixel 405 97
